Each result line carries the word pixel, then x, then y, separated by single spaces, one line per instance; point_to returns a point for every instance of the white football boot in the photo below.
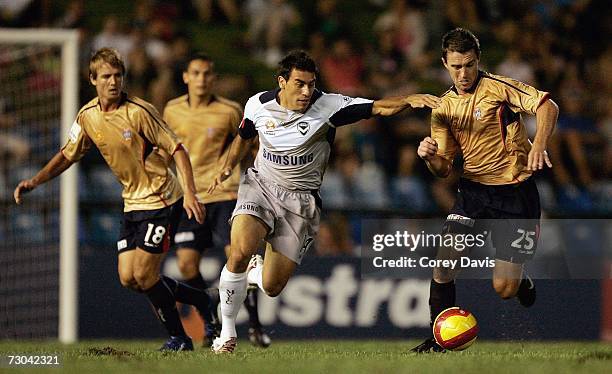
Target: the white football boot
pixel 221 345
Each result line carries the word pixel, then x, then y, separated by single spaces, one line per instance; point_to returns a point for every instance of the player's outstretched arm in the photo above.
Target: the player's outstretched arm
pixel 56 166
pixel 190 201
pixel 238 149
pixel 546 118
pixel 438 165
pixel 392 105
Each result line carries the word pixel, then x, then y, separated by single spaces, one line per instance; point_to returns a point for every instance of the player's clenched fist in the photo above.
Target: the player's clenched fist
pixel 427 148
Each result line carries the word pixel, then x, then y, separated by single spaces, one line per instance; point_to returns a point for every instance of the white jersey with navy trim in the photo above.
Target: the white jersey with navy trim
pixel 294 147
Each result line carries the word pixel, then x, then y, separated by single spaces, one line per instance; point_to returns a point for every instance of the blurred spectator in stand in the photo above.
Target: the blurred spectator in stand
pixel 24 13
pixel 113 36
pixel 205 9
pixel 515 66
pixel 459 13
pixel 141 73
pixel 180 51
pixel 269 21
pixel 603 187
pixel 13 148
pixel 343 69
pixel 352 183
pixel 327 20
pixel 334 237
pixel 154 38
pixel 410 129
pixel 408 190
pixel 317 47
pixel 162 88
pixel 577 134
pixel 143 11
pixel 384 64
pixel 408 27
pixel 74 17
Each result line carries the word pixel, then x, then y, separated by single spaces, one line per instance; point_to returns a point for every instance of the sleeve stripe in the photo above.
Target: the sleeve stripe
pixel 86 108
pixel 543 100
pixel 351 114
pixel 507 84
pixel 178 146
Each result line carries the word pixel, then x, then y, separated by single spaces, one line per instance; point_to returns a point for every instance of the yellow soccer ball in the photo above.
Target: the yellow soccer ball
pixel 455 329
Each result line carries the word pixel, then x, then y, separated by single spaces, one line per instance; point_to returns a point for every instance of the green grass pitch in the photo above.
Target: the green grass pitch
pixel 316 356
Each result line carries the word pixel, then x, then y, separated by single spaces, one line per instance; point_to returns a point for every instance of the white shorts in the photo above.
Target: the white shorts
pixel 292 216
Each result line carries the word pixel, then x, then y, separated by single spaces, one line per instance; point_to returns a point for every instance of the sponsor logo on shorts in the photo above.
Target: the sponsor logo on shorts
pixel 183 237
pixel 122 244
pixel 247 206
pixel 307 243
pixel 466 221
pixel 478 114
pixel 287 160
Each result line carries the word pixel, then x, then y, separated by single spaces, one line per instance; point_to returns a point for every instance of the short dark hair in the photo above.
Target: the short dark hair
pixel 105 56
pixel 460 40
pixel 297 59
pixel 197 56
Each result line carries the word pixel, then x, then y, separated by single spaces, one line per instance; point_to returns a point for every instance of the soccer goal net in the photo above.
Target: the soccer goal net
pixel 38 257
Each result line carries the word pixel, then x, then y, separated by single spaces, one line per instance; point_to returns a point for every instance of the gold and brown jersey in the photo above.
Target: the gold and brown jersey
pixel 207 132
pixel 132 139
pixel 485 125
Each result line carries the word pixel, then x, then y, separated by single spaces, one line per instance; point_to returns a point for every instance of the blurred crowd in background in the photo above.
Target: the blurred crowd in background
pixel 369 48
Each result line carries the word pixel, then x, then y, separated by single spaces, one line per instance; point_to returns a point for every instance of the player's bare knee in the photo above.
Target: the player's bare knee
pixel 237 261
pixel 273 289
pixel 505 288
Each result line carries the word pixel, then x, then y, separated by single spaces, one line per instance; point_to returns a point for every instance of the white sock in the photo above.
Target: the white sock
pixel 232 291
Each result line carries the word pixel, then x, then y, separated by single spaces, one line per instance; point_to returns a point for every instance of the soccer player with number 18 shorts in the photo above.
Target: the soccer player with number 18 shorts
pixel 207 123
pixel 278 199
pixel 480 118
pixel 135 141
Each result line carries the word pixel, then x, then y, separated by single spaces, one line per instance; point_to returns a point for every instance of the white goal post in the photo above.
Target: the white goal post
pixel 68 277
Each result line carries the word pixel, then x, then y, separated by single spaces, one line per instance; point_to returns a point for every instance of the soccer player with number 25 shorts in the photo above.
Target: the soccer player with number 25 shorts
pixel 480 118
pixel 135 141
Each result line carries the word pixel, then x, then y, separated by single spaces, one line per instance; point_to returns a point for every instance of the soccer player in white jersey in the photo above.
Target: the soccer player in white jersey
pixel 278 199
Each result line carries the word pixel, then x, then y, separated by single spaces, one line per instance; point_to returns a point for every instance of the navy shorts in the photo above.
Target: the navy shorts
pixel 510 213
pixel 150 230
pixel 215 231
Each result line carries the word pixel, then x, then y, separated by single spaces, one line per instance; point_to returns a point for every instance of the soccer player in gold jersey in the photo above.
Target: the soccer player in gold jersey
pixel 207 123
pixel 480 118
pixel 133 139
